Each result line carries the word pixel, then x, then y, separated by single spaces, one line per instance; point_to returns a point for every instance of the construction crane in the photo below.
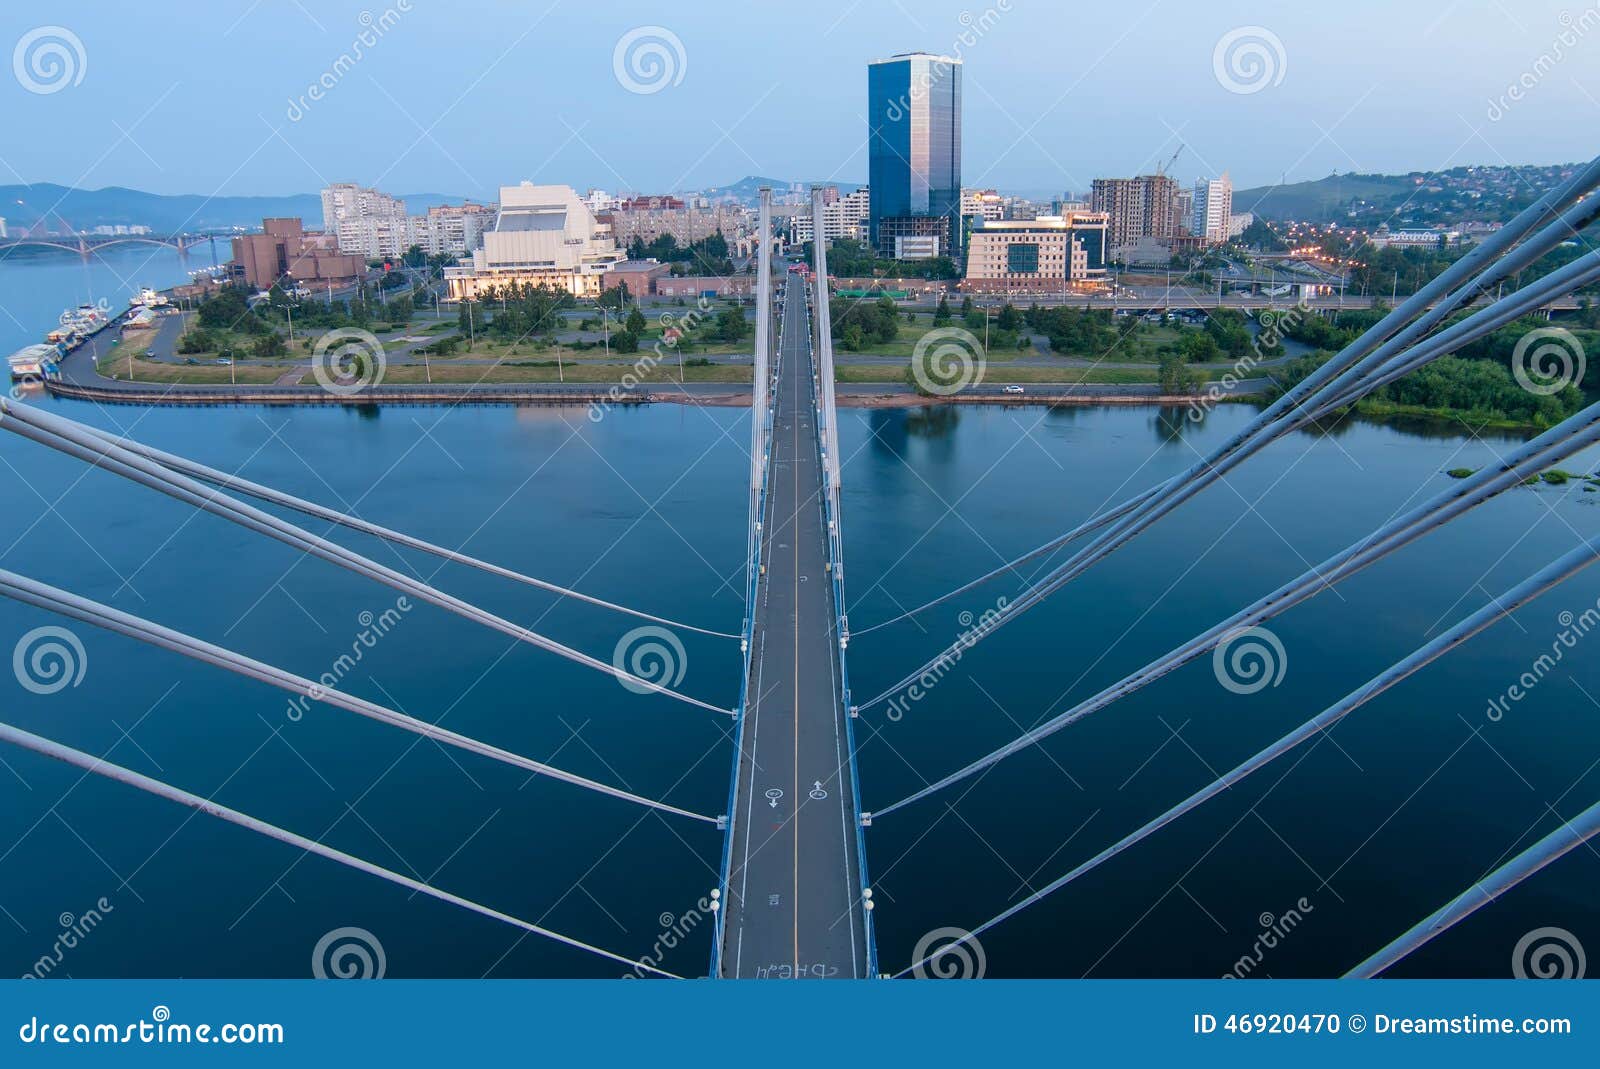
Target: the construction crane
pixel 1162 170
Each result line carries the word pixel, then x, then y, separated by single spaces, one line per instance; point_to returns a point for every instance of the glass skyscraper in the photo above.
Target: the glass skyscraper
pixel 914 154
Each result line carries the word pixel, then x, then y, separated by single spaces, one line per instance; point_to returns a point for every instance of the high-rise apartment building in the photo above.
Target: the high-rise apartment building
pixel 1142 207
pixel 1213 209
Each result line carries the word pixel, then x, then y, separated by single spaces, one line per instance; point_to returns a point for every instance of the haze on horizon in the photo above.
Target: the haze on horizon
pixel 460 98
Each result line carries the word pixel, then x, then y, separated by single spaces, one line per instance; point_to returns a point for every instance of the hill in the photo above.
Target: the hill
pixel 1420 198
pixel 84 209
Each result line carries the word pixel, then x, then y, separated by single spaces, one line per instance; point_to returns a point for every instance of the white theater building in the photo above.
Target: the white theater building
pixel 543 235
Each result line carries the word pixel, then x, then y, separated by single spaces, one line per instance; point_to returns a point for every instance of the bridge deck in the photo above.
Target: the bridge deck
pixel 794 888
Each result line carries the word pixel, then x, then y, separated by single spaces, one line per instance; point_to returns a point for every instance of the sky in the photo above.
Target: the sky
pixel 460 97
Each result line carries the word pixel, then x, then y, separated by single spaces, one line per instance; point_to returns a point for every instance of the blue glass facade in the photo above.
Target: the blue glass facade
pixel 914 144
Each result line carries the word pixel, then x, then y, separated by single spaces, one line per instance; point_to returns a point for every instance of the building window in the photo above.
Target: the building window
pixel 1022 258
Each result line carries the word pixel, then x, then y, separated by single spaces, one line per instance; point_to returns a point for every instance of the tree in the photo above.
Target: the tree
pixel 636 322
pixel 469 320
pixel 270 345
pixel 1176 377
pixel 966 307
pixel 731 325
pixel 625 342
pixel 1009 318
pixel 941 314
pixel 1198 346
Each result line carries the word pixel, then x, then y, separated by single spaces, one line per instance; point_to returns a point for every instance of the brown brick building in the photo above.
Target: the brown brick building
pixel 284 248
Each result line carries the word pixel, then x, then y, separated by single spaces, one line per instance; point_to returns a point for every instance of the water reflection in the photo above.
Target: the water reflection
pixel 1172 422
pixel 893 428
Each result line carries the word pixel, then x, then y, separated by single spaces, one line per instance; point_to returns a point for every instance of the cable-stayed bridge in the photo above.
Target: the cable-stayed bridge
pixel 795 899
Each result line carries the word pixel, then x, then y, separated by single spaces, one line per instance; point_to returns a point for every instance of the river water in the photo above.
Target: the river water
pixel 1409 802
pixel 35 289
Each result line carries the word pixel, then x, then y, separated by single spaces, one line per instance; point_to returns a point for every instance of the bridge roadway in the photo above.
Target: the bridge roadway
pixel 794 907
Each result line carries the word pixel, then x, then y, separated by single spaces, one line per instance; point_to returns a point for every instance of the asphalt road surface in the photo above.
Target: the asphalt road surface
pixel 794 888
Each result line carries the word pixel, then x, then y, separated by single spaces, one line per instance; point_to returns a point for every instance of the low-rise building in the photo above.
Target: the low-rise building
pixel 542 236
pixel 638 275
pixel 1423 239
pixel 285 248
pixel 1050 254
pixel 705 285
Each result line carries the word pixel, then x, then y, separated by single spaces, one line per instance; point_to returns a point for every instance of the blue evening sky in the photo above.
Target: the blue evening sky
pixel 459 97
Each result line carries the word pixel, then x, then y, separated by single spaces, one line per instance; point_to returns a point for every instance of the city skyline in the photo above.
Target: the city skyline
pixel 616 101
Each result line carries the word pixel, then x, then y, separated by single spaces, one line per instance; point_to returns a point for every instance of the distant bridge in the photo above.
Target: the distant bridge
pixel 86 245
